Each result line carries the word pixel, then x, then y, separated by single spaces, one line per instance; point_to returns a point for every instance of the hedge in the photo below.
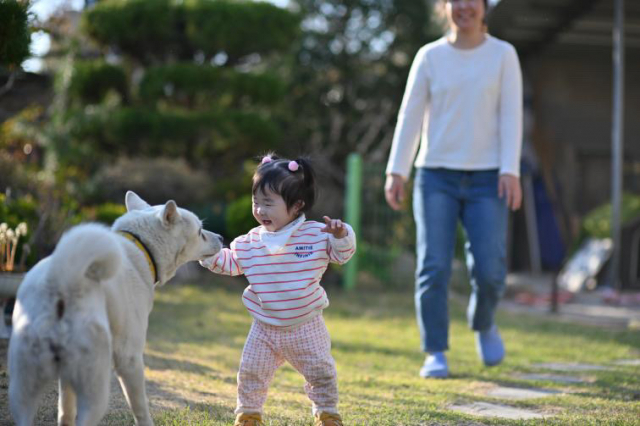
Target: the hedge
pixel 158 30
pixel 193 85
pixel 150 132
pixel 14 33
pixel 597 223
pixel 92 80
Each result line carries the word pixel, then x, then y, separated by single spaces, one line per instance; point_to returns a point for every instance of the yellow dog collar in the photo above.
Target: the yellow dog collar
pixel 147 254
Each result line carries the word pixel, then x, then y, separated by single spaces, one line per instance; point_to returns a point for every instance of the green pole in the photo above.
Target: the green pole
pixel 352 213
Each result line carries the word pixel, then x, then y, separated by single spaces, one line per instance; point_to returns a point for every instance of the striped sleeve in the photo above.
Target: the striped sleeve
pixel 340 250
pixel 224 263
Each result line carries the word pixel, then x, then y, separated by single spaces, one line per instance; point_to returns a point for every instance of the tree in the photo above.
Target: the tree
pixel 351 69
pixel 14 39
pixel 193 80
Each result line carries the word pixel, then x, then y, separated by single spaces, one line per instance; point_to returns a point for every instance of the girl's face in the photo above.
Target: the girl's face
pixel 270 210
pixel 466 15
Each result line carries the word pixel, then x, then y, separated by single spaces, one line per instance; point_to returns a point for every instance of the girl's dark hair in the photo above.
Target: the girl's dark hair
pixel 292 186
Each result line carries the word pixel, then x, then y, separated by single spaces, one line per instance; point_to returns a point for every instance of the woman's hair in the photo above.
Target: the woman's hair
pixel 486 3
pixel 293 180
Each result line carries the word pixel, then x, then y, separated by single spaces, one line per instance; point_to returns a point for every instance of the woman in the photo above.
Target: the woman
pixel 463 107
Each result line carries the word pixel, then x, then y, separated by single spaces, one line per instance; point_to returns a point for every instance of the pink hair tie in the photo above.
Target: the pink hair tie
pixel 293 166
pixel 266 159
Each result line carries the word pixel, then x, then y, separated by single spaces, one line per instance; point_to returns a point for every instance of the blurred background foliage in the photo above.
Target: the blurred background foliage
pixel 350 69
pixel 179 99
pixel 14 33
pixel 14 40
pixel 597 223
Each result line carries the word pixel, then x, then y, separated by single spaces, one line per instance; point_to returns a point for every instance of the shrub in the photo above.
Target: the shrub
pixel 19 144
pixel 158 30
pixel 192 85
pixel 14 174
pixel 196 136
pixel 155 180
pixel 16 211
pixel 212 214
pixel 107 213
pixel 14 33
pixel 239 216
pixel 239 28
pixel 597 223
pixel 143 28
pixel 92 80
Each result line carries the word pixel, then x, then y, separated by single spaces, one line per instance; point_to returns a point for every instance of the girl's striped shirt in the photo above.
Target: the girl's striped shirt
pixel 284 269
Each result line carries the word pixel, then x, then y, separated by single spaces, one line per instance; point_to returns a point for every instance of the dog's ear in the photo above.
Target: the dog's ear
pixel 170 213
pixel 134 202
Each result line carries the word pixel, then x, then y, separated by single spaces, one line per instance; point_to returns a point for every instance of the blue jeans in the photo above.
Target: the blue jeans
pixel 440 198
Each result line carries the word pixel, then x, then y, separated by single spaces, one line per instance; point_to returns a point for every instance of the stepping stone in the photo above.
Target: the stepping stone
pixel 520 393
pixel 553 378
pixel 628 362
pixel 485 409
pixel 572 367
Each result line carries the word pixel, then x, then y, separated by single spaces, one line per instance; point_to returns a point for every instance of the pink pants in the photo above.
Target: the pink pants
pixel 306 347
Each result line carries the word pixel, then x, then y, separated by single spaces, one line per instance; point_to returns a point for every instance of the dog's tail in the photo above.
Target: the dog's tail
pixel 87 251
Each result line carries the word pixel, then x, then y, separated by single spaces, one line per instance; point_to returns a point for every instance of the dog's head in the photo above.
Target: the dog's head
pixel 173 235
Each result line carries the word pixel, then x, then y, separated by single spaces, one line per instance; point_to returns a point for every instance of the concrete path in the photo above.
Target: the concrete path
pixel 596 307
pixel 503 411
pixel 517 394
pixel 486 409
pixel 557 378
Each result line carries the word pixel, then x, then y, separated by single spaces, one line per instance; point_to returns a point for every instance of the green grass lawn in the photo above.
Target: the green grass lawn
pixel 197 333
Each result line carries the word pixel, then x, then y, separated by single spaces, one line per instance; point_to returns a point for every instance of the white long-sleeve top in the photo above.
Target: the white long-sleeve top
pixel 284 269
pixel 463 107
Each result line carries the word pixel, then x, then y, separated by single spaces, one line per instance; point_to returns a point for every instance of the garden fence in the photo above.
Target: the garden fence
pixel 386 238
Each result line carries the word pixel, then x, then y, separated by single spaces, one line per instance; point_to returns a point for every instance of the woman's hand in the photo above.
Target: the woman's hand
pixel 334 227
pixel 394 191
pixel 509 187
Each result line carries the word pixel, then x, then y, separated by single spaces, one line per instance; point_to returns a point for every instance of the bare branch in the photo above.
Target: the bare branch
pixel 9 84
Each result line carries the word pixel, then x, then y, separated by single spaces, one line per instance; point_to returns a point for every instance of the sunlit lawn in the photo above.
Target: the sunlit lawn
pixel 197 333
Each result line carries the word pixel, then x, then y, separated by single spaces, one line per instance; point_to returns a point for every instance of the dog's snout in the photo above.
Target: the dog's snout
pixel 220 238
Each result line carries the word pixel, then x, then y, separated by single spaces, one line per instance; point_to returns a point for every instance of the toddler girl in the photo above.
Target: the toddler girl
pixel 284 259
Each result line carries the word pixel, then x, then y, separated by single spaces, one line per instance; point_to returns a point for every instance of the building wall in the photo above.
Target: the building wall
pixel 571 98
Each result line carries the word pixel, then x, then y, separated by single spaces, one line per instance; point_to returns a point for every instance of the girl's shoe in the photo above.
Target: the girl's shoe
pixel 328 419
pixel 248 419
pixel 490 347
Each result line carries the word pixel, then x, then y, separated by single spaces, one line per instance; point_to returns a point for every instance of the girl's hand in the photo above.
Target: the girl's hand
pixel 509 187
pixel 334 227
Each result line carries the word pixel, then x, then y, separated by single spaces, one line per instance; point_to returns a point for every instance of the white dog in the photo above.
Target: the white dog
pixel 86 307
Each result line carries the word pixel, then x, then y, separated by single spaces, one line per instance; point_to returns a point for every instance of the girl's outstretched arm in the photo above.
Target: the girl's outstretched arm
pixel 342 240
pixel 225 262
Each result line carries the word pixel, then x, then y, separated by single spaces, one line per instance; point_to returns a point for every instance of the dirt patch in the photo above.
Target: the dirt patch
pixel 48 411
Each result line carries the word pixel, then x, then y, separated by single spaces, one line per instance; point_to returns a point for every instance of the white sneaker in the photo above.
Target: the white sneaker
pixel 435 366
pixel 489 346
